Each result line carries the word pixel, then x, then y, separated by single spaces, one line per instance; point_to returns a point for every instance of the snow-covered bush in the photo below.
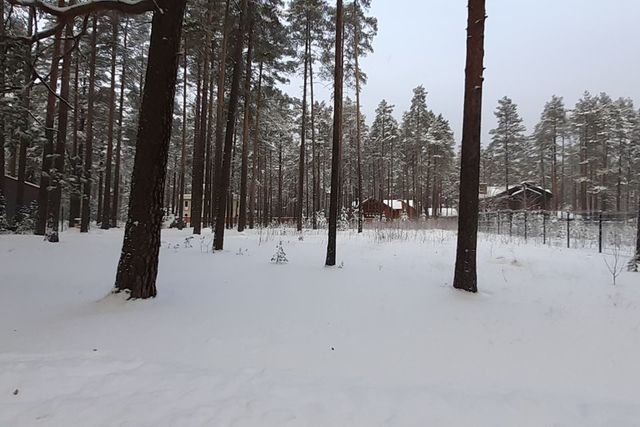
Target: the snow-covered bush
pixel 25 222
pixel 343 220
pixel 321 219
pixel 280 257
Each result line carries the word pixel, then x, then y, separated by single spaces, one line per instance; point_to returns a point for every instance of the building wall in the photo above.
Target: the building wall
pixel 11 188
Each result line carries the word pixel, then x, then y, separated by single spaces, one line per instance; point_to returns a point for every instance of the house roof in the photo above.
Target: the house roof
pixel 520 189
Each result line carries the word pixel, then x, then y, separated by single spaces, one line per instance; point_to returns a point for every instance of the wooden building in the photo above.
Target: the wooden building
pixel 10 191
pixel 525 196
pixel 392 209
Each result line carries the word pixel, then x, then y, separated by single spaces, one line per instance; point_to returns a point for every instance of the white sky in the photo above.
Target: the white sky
pixel 534 49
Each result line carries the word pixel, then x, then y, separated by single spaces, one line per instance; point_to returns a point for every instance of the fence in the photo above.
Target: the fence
pixel 602 231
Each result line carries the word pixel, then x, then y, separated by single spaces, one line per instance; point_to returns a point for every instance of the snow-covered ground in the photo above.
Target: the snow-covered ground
pixel 234 340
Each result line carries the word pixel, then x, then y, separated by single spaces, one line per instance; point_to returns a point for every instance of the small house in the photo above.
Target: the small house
pixel 392 209
pixel 525 196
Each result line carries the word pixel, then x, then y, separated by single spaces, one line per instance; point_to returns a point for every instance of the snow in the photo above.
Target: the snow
pixel 235 340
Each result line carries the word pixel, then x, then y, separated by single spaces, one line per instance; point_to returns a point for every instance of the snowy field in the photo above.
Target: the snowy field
pixel 234 340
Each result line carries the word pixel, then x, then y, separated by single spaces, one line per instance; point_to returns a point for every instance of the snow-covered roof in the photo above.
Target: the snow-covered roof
pixel 492 192
pixel 397 204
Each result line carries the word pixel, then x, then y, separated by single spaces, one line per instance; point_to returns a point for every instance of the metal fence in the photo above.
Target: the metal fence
pixel 602 231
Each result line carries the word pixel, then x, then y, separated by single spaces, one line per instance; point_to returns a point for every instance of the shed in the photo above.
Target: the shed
pixel 525 196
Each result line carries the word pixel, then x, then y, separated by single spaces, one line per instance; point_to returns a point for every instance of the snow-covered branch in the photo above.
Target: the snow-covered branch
pixel 93 6
pixel 65 14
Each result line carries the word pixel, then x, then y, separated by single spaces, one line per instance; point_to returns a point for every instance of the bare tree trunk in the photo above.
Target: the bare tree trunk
pixel 2 127
pixel 105 221
pixel 183 148
pixel 244 168
pixel 219 141
pixel 88 148
pixel 207 217
pixel 303 134
pixel 76 163
pixel 47 153
pixel 315 163
pixel 466 257
pixel 138 266
pixel 336 163
pixel 356 54
pixel 100 188
pixel 26 124
pixel 57 172
pixel 223 184
pixel 255 157
pixel 197 181
pixel 115 214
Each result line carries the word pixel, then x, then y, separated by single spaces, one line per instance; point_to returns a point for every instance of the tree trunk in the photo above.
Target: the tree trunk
pixel 244 168
pixel 315 161
pixel 2 128
pixel 76 164
pixel 47 153
pixel 336 163
pixel 25 139
pixel 88 148
pixel 223 184
pixel 465 271
pixel 255 156
pixel 207 217
pixel 115 211
pixel 356 54
pixel 57 174
pixel 303 134
pixel 105 220
pixel 138 266
pixel 199 149
pixel 219 142
pixel 183 148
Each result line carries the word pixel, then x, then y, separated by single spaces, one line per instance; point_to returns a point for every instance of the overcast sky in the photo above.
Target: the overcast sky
pixel 533 49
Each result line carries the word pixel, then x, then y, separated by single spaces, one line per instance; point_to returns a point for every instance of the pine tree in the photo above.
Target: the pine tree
pixel 466 258
pixel 223 184
pixel 548 134
pixel 382 147
pixel 508 144
pixel 415 153
pixel 337 137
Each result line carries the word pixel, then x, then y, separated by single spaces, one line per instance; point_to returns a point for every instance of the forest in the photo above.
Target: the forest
pixel 149 128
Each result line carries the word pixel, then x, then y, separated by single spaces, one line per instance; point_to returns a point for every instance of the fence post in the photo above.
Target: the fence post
pixel 544 228
pixel 499 216
pixel 525 226
pixel 600 232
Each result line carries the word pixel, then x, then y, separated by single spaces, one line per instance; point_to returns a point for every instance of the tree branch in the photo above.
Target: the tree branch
pixel 68 13
pixel 133 7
